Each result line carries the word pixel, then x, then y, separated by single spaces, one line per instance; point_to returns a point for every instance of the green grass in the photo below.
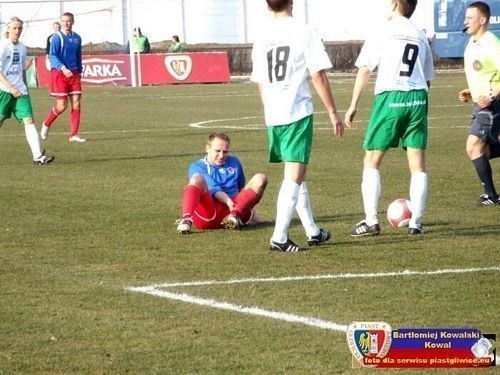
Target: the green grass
pixel 75 234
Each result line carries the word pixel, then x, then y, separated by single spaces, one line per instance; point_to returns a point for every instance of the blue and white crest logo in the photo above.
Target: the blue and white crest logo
pixel 368 339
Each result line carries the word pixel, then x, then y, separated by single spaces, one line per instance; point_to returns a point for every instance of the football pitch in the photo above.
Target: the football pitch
pixel 94 278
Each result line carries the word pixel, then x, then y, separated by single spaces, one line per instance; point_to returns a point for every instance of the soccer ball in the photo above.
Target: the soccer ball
pixel 398 213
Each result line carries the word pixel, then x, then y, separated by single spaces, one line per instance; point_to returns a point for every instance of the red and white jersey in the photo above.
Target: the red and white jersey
pixel 284 57
pixel 402 54
pixel 12 63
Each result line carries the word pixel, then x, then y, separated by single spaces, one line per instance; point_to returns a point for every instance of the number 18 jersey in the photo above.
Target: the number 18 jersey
pixel 402 54
pixel 284 58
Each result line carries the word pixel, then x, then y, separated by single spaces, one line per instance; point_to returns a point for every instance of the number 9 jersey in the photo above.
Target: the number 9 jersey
pixel 402 54
pixel 284 57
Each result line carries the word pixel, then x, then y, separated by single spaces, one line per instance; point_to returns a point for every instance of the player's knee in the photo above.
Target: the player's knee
pixel 260 180
pixel 474 150
pixel 197 180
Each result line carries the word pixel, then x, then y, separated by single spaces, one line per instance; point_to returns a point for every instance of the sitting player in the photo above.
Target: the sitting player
pixel 216 195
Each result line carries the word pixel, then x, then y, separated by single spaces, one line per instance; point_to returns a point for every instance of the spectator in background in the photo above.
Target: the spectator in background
pixel 177 45
pixel 140 42
pixel 56 27
pixel 14 97
pixel 66 67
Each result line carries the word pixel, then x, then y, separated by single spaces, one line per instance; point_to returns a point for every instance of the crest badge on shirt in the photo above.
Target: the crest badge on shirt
pixel 477 66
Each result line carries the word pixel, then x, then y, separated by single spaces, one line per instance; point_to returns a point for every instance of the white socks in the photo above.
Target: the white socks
pixel 287 201
pixel 305 212
pixel 33 140
pixel 418 197
pixel 370 189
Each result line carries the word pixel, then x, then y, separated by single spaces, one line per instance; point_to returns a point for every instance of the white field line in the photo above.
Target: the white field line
pixel 216 125
pixel 255 311
pixel 254 125
pixel 156 290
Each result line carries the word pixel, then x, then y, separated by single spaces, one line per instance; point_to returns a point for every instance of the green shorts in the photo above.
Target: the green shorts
pixel 291 142
pixel 398 118
pixel 19 107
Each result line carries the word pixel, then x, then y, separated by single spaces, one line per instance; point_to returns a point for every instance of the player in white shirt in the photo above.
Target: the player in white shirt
pixel 288 54
pixel 403 56
pixel 14 97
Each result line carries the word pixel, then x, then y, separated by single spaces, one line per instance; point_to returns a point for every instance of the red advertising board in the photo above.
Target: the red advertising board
pixel 155 69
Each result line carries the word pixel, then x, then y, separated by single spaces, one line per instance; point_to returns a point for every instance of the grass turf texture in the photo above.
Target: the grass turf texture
pixel 101 218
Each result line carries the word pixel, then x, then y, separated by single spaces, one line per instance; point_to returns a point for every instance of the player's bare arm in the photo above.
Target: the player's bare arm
pixel 359 87
pixel 224 198
pixel 322 87
pixel 12 89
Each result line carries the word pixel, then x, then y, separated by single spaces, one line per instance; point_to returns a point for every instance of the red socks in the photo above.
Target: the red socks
pixel 247 199
pixel 190 200
pixel 74 122
pixel 53 114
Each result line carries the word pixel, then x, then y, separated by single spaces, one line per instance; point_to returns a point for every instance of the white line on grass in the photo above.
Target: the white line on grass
pixel 213 124
pixel 155 290
pixel 256 311
pixel 219 123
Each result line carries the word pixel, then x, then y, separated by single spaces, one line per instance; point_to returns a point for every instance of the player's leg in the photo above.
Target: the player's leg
pixel 191 198
pixel 287 199
pixel 287 196
pixel 383 132
pixel 24 114
pixel 245 201
pixel 482 130
pixel 59 90
pixel 415 141
pixel 418 188
pixel 292 144
pixel 74 119
pixel 371 184
pixel 75 93
pixel 55 111
pixel 298 150
pixel 315 235
pixel 285 207
pixel 296 155
pixel 494 144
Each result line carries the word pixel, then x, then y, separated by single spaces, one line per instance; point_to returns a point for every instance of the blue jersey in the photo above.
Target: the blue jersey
pixel 66 50
pixel 228 178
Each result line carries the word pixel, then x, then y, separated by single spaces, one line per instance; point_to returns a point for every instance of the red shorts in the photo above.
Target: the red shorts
pixel 210 212
pixel 61 86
